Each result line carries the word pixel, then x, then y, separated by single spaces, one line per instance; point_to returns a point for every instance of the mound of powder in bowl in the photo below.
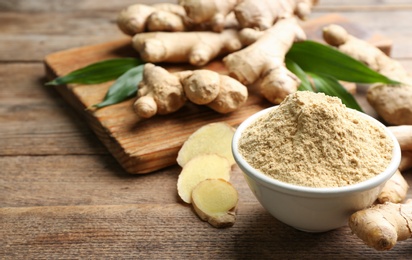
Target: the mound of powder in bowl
pixel 313 140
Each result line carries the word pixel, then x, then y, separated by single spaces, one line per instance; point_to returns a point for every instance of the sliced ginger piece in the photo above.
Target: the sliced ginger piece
pixel 213 138
pixel 215 201
pixel 200 168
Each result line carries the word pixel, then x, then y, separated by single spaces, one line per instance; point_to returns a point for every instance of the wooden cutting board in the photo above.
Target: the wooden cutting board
pixel 143 146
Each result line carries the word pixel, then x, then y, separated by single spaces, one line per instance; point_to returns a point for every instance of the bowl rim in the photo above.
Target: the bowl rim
pixel 274 184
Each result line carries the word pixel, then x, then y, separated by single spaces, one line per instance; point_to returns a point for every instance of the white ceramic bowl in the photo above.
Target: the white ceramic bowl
pixel 306 208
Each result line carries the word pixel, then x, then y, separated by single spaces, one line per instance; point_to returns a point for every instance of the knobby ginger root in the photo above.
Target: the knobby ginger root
pixel 139 18
pixel 212 12
pixel 213 138
pixel 395 189
pixel 263 14
pixel 382 225
pixel 197 48
pixel 158 93
pixel 200 168
pixel 215 201
pixel 392 103
pixel 403 134
pixel 264 59
pixel 219 92
pixel 231 96
pixel 161 92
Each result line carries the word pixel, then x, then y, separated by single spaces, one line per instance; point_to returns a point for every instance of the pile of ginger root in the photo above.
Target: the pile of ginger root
pixel 197 31
pixel 194 32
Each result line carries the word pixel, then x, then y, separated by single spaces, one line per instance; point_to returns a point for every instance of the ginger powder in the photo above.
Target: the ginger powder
pixel 313 140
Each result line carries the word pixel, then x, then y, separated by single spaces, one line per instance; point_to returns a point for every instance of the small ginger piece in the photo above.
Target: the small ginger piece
pixel 202 86
pixel 211 12
pixel 403 134
pixel 162 92
pixel 200 168
pixel 219 92
pixel 139 18
pixel 382 225
pixel 158 93
pixel 392 103
pixel 394 190
pixel 197 48
pixel 263 14
pixel 213 138
pixel 267 64
pixel 232 94
pixel 215 201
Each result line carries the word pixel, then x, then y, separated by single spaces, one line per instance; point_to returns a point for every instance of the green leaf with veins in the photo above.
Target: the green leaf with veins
pixel 123 88
pixel 98 72
pixel 322 59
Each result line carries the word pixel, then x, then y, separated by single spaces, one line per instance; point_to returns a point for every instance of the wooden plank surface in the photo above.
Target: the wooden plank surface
pixel 63 196
pixel 169 231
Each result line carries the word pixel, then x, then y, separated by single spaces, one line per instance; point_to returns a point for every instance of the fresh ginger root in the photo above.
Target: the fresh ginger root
pixel 395 189
pixel 158 93
pixel 267 64
pixel 219 92
pixel 403 134
pixel 215 201
pixel 212 12
pixel 392 103
pixel 382 225
pixel 197 48
pixel 232 95
pixel 213 138
pixel 263 14
pixel 200 168
pixel 162 92
pixel 139 18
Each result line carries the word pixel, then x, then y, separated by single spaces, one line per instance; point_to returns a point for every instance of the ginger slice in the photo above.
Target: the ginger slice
pixel 214 138
pixel 200 168
pixel 215 201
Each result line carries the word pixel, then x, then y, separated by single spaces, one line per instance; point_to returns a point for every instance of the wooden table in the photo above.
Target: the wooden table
pixel 63 195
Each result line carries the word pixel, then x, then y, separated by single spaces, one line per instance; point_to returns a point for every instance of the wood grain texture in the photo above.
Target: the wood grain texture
pixel 168 231
pixel 89 180
pixel 35 120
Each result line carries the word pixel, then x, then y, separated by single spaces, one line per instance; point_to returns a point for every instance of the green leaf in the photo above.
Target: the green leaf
pixel 295 69
pixel 322 59
pixel 98 72
pixel 331 87
pixel 123 88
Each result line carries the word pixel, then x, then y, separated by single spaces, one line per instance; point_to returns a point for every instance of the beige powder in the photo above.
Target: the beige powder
pixel 313 140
